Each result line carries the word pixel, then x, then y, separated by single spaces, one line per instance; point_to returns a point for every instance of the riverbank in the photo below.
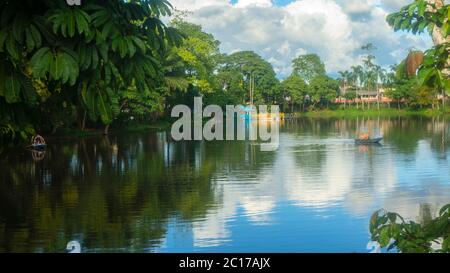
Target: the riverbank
pixel 327 113
pixel 165 124
pixel 131 128
pixel 384 112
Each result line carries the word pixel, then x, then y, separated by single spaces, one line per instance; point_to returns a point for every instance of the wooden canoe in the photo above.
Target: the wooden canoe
pixel 38 147
pixel 368 141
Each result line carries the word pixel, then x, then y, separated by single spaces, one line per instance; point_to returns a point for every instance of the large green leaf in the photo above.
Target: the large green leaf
pixel 12 47
pixel 104 108
pixel 28 92
pixel 56 68
pixel 12 89
pixel 3 36
pixel 18 27
pixel 36 36
pixel 100 17
pixel 41 62
pixel 70 69
pixel 70 21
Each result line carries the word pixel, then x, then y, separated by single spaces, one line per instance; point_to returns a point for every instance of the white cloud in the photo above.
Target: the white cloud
pixel 322 27
pixel 334 29
pixel 249 3
pixel 357 6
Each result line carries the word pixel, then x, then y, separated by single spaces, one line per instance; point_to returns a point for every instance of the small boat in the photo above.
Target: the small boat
pixel 37 143
pixel 369 140
pixel 38 147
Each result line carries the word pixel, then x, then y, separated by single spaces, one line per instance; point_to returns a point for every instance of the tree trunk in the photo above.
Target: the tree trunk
pixel 378 97
pixel 106 130
pixel 54 129
pixel 83 122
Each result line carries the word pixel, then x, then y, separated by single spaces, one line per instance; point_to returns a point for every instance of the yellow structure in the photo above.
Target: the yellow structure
pixel 269 116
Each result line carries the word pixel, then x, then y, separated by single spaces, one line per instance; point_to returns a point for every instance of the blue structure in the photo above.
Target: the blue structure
pixel 247 116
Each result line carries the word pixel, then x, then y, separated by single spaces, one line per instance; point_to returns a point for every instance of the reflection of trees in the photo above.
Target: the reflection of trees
pixel 311 126
pixel 111 194
pixel 440 137
pixel 119 192
pixel 405 133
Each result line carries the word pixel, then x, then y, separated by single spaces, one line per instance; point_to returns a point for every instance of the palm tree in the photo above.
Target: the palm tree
pixel 345 76
pixel 380 77
pixel 359 78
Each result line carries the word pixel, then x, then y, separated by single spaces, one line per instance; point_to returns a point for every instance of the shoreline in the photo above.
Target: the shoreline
pixel 162 125
pixel 384 112
pixel 157 126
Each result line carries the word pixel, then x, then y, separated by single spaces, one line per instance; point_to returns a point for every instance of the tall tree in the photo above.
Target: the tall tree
pixel 323 89
pixel 296 89
pixel 345 80
pixel 308 67
pixel 257 75
pixel 200 54
pixel 358 77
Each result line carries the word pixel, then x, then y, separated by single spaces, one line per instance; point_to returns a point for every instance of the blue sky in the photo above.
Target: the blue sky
pixel 276 2
pixel 280 30
pixel 282 2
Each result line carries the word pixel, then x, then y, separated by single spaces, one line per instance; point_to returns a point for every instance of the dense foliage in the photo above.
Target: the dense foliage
pixel 422 79
pixel 431 16
pixel 60 64
pixel 309 86
pixel 308 66
pixel 114 62
pixel 391 231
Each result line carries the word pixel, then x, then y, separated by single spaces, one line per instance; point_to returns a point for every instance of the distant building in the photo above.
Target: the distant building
pixel 365 96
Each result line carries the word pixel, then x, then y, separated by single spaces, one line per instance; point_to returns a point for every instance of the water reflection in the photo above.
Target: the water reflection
pixel 141 193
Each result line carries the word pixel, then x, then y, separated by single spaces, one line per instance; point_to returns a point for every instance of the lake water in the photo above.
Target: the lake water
pixel 144 193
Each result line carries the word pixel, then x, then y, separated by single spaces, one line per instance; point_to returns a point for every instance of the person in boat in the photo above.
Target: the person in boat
pixel 37 140
pixel 364 136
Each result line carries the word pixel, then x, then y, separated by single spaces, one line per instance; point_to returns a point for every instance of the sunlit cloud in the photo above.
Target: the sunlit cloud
pixel 281 30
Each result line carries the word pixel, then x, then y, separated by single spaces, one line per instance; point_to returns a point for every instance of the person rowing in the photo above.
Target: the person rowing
pixel 38 142
pixel 364 136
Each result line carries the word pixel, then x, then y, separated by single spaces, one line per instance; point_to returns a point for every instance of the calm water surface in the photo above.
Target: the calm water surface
pixel 144 193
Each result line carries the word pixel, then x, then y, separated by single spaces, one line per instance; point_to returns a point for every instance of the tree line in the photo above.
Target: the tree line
pixel 114 62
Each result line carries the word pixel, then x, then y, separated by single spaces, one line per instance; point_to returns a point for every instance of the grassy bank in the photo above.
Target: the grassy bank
pixel 384 112
pixel 326 113
pixel 130 128
pixel 141 128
